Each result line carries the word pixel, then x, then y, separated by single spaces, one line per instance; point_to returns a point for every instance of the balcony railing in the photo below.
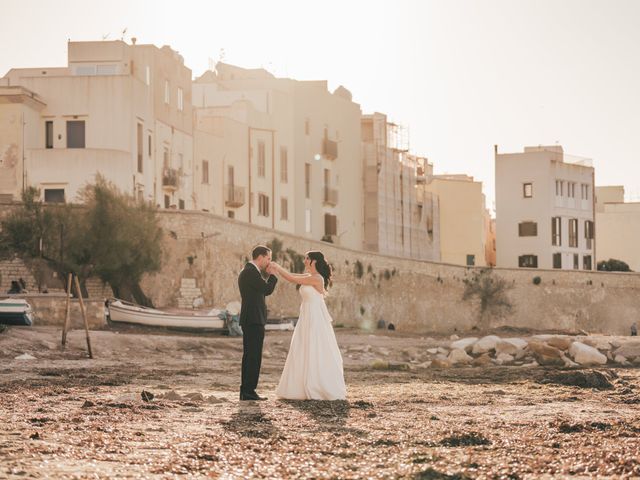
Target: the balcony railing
pixel 330 149
pixel 234 196
pixel 330 196
pixel 170 179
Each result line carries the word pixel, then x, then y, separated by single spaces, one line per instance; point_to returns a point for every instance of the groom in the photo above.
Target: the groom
pixel 253 317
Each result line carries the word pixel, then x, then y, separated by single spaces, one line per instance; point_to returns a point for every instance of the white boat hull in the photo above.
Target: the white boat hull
pixel 119 312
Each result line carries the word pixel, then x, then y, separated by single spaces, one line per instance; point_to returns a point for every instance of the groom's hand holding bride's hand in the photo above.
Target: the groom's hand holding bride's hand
pixel 272 269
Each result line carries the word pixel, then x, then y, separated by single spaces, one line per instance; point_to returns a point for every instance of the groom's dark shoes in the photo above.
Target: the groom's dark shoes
pixel 251 396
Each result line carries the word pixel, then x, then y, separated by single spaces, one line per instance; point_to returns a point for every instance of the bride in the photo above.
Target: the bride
pixel 313 369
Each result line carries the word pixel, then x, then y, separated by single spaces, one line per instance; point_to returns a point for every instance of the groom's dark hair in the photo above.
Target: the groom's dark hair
pixel 259 251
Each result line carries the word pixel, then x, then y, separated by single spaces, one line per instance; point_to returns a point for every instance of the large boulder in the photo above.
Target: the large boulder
pixel 464 343
pixel 560 342
pixel 586 355
pixel 482 361
pixel 629 350
pixel 459 356
pixel 546 354
pixel 521 343
pixel 503 358
pixel 485 344
pixel 599 342
pixel 507 348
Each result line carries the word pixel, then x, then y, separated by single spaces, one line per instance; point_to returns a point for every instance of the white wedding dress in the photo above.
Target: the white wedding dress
pixel 313 369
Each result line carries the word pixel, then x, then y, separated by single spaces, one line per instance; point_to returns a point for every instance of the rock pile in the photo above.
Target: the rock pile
pixel 552 350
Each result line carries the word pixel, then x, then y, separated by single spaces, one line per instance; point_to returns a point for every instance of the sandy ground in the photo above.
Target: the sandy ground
pixel 65 416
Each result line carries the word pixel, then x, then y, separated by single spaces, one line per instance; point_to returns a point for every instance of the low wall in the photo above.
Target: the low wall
pixel 415 295
pixel 50 309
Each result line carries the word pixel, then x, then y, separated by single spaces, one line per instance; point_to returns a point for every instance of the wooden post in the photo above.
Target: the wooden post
pixel 65 325
pixel 84 315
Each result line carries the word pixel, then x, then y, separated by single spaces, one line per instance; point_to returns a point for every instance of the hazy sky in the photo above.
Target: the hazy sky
pixel 463 75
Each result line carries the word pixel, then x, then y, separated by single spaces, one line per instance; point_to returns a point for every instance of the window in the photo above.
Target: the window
pixel 586 262
pixel 263 205
pixel 571 189
pixel 165 158
pixel 330 224
pixel 556 231
pixel 147 77
pixel 576 261
pixel 307 180
pixel 180 99
pixel 181 161
pixel 584 191
pixel 527 190
pixel 573 232
pixel 48 134
pixel 557 260
pixel 307 126
pixel 284 209
pixel 528 229
pixel 205 171
pixel 149 145
pixel 140 147
pixel 181 204
pixel 167 201
pixel 231 214
pixel 284 167
pixel 471 260
pixel 307 220
pixel 528 261
pixel 230 176
pixel 167 92
pixel 261 160
pixel 588 233
pixel 559 188
pixel 54 195
pixel 75 134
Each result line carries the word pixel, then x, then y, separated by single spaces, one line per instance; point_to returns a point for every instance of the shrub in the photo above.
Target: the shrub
pixel 537 280
pixel 613 265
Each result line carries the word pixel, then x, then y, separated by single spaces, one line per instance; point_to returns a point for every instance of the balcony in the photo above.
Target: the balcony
pixel 234 196
pixel 330 196
pixel 170 179
pixel 330 149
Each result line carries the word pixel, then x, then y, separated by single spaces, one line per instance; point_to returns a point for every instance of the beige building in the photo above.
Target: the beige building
pixel 400 217
pixel 282 153
pixel 544 210
pixel 117 109
pixel 618 227
pixel 463 219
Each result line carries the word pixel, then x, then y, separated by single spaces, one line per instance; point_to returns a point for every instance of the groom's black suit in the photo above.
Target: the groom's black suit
pixel 253 317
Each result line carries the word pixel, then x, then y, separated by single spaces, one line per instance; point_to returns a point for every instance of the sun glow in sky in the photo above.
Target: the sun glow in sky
pixel 462 75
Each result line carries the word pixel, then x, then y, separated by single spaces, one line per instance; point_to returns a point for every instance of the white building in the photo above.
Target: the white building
pixel 117 109
pixel 544 210
pixel 279 151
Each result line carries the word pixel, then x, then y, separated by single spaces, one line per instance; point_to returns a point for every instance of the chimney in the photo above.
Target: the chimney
pixel 133 40
pixel 495 149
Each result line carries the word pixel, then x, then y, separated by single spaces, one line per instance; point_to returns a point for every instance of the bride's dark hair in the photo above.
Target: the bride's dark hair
pixel 322 266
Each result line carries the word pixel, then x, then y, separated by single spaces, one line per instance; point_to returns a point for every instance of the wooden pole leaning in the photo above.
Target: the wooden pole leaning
pixel 65 325
pixel 84 316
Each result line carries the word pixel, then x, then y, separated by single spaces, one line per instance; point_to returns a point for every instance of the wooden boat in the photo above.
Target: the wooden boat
pixel 16 311
pixel 124 312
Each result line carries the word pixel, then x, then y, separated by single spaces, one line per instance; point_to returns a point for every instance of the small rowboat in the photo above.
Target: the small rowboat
pixel 16 311
pixel 124 312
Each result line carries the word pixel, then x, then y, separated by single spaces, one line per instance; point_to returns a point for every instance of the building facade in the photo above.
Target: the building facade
pixel 544 210
pixel 618 227
pixel 120 110
pixel 463 219
pixel 401 218
pixel 286 152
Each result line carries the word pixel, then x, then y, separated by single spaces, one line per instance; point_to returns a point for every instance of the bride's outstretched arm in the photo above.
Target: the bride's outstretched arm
pixel 300 278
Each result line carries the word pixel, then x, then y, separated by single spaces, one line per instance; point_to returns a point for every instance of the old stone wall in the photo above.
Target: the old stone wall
pixel 204 253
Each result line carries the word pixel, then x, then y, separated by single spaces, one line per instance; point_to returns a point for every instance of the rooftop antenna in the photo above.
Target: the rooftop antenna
pixel 123 33
pixel 104 37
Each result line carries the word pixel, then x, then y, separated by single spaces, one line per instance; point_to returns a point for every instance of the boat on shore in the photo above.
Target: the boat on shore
pixel 16 311
pixel 120 311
